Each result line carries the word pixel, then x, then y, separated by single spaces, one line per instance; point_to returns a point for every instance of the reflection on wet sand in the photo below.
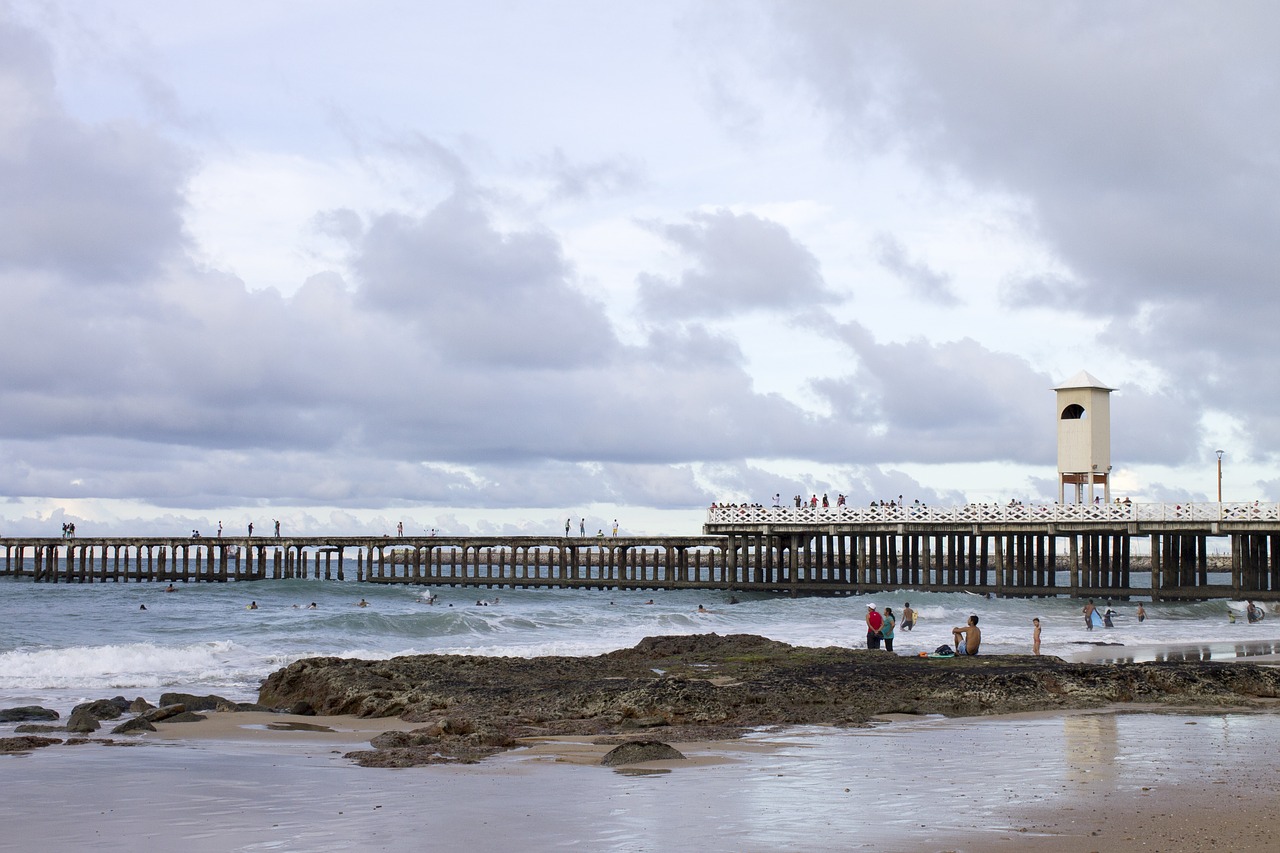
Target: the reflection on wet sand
pixel 1196 652
pixel 1090 745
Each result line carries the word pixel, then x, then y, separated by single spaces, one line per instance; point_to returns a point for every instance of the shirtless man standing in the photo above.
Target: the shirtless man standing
pixel 1087 610
pixel 972 637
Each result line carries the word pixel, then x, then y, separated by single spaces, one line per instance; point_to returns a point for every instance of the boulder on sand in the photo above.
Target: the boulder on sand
pixel 638 752
pixel 27 713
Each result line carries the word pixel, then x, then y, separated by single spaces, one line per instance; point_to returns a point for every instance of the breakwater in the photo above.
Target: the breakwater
pixel 1005 551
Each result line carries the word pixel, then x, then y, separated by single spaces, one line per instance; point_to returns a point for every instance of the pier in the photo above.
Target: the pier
pixel 1108 550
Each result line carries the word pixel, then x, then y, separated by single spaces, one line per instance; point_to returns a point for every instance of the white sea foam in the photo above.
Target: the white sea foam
pixel 130 665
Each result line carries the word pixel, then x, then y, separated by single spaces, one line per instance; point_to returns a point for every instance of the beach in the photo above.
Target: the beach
pixel 1116 779
pixel 1143 779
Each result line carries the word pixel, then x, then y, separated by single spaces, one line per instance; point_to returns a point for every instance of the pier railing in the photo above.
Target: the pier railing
pixel 952 516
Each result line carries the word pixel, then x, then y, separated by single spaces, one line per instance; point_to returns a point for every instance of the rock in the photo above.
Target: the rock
pixel 82 721
pixel 37 729
pixel 102 709
pixel 717 686
pixel 193 703
pixel 26 713
pixel 164 712
pixel 301 709
pixel 237 707
pixel 186 717
pixel 639 751
pixel 137 724
pixel 26 743
pixel 137 706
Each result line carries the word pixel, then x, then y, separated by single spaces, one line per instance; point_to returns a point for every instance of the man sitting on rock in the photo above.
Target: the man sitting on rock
pixel 972 635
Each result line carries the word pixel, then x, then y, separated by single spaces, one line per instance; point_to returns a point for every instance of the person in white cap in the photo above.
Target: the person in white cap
pixel 874 622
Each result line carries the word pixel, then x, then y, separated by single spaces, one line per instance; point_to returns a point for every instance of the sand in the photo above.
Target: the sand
pixel 1109 780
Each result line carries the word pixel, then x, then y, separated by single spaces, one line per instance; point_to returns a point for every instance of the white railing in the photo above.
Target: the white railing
pixel 994 513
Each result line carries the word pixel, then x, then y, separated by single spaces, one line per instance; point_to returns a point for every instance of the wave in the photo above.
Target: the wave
pixel 128 665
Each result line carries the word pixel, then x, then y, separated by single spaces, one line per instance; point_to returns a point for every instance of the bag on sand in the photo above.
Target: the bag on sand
pixel 944 649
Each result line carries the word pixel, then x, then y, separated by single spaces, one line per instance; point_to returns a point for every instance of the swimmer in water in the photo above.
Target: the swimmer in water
pixel 252 605
pixel 362 603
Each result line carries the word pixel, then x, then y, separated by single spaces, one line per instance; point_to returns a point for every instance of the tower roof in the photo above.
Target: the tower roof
pixel 1083 379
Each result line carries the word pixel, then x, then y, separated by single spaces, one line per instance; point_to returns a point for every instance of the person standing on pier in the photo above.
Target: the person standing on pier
pixel 219 529
pixel 615 527
pixel 568 522
pixel 582 527
pixel 277 521
pixel 251 528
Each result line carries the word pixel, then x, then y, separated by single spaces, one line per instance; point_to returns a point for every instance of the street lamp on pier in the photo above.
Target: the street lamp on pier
pixel 1219 452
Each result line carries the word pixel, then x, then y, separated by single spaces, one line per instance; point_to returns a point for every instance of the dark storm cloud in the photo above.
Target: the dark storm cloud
pixel 924 282
pixel 739 263
pixel 101 204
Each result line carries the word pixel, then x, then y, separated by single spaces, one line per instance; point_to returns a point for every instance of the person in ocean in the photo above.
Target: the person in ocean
pixel 887 623
pixel 1142 613
pixel 874 623
pixel 908 617
pixel 1253 613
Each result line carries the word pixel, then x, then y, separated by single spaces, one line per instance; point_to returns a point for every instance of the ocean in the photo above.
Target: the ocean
pixel 61 644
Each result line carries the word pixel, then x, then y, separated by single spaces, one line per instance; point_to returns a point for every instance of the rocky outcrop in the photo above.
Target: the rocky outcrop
pixel 691 687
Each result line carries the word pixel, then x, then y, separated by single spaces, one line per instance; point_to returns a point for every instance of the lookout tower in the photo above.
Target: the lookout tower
pixel 1084 438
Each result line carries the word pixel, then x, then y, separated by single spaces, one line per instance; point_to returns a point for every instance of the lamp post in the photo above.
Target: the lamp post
pixel 1219 452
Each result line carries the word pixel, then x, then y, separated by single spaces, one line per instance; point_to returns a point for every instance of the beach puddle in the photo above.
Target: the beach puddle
pixel 641 771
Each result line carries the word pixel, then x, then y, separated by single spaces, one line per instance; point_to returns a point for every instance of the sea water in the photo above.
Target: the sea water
pixel 61 644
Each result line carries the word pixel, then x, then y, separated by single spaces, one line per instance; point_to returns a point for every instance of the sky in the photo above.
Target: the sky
pixel 481 267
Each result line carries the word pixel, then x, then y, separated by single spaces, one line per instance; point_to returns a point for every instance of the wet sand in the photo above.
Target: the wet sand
pixel 1109 780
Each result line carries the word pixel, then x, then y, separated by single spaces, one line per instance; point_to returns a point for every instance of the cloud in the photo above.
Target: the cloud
pixel 1141 169
pixel 476 295
pixel 572 181
pixel 739 263
pixel 102 203
pixel 925 283
pixel 942 402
